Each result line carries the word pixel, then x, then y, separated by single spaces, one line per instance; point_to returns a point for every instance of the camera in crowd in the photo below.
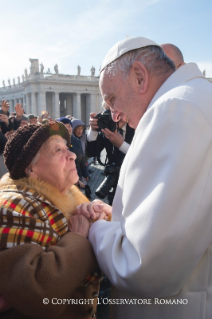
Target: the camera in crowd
pixel 112 174
pixel 105 121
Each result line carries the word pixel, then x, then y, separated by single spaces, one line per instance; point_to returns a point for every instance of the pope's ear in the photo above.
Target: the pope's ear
pixel 141 77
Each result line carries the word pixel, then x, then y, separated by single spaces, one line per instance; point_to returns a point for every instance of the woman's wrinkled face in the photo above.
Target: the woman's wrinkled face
pixel 55 164
pixel 78 130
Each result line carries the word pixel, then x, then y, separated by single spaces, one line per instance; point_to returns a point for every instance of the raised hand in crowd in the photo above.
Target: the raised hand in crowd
pixel 4 118
pixel 5 106
pixel 19 111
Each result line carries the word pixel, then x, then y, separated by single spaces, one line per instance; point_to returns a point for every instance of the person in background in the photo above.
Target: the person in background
pixel 24 120
pixel 7 126
pixel 115 143
pixel 78 128
pixel 45 115
pixel 76 147
pixel 174 53
pixel 70 117
pixel 33 119
pixel 3 141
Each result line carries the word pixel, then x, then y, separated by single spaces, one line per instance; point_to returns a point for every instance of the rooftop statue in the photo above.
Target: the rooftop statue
pixel 78 70
pixel 92 71
pixel 41 68
pixel 3 83
pixel 56 69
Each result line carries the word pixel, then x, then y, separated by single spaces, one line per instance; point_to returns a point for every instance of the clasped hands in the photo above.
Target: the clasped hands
pixel 86 214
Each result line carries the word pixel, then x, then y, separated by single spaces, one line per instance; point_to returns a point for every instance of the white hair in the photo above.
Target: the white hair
pixel 152 57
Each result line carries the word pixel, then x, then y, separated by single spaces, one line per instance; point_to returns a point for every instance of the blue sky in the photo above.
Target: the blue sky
pixel 72 33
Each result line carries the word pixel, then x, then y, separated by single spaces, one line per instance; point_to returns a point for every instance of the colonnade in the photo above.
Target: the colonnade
pixel 58 104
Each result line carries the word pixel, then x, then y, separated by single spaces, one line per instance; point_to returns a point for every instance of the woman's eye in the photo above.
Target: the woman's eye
pixel 59 149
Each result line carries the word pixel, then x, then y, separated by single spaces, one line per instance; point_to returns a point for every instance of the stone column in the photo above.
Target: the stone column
pixel 41 102
pixel 28 106
pixel 77 106
pixel 33 103
pixel 93 106
pixel 56 106
pixel 99 106
pixel 24 103
pixel 69 106
pixel 12 106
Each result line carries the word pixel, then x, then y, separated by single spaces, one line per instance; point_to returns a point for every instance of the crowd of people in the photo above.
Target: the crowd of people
pixel 152 242
pixel 10 123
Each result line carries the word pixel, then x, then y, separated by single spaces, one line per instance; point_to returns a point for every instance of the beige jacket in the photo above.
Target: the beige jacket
pixel 28 273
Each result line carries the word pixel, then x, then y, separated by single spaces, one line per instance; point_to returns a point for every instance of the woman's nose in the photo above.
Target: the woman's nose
pixel 71 155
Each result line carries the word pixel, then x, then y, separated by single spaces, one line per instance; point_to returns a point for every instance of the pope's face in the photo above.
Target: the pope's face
pixel 121 96
pixel 118 94
pixel 56 164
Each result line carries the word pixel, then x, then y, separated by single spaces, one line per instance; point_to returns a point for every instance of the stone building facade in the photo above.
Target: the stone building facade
pixel 59 94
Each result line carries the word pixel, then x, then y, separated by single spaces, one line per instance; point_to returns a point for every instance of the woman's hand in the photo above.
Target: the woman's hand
pixel 95 210
pixel 79 224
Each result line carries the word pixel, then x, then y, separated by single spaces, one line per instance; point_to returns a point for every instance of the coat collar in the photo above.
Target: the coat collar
pixel 184 74
pixel 44 192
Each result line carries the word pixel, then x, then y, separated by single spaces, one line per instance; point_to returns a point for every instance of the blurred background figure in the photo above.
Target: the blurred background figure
pixel 76 147
pixel 115 138
pixel 45 115
pixel 8 124
pixel 79 131
pixel 174 53
pixel 33 119
pixel 24 121
pixel 70 117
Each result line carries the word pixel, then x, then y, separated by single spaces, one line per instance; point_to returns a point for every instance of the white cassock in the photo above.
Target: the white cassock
pixel 158 244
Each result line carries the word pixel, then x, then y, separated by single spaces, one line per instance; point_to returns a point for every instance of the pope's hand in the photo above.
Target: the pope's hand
pixel 95 210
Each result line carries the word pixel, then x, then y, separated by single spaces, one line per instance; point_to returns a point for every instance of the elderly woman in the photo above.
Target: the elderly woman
pixel 44 266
